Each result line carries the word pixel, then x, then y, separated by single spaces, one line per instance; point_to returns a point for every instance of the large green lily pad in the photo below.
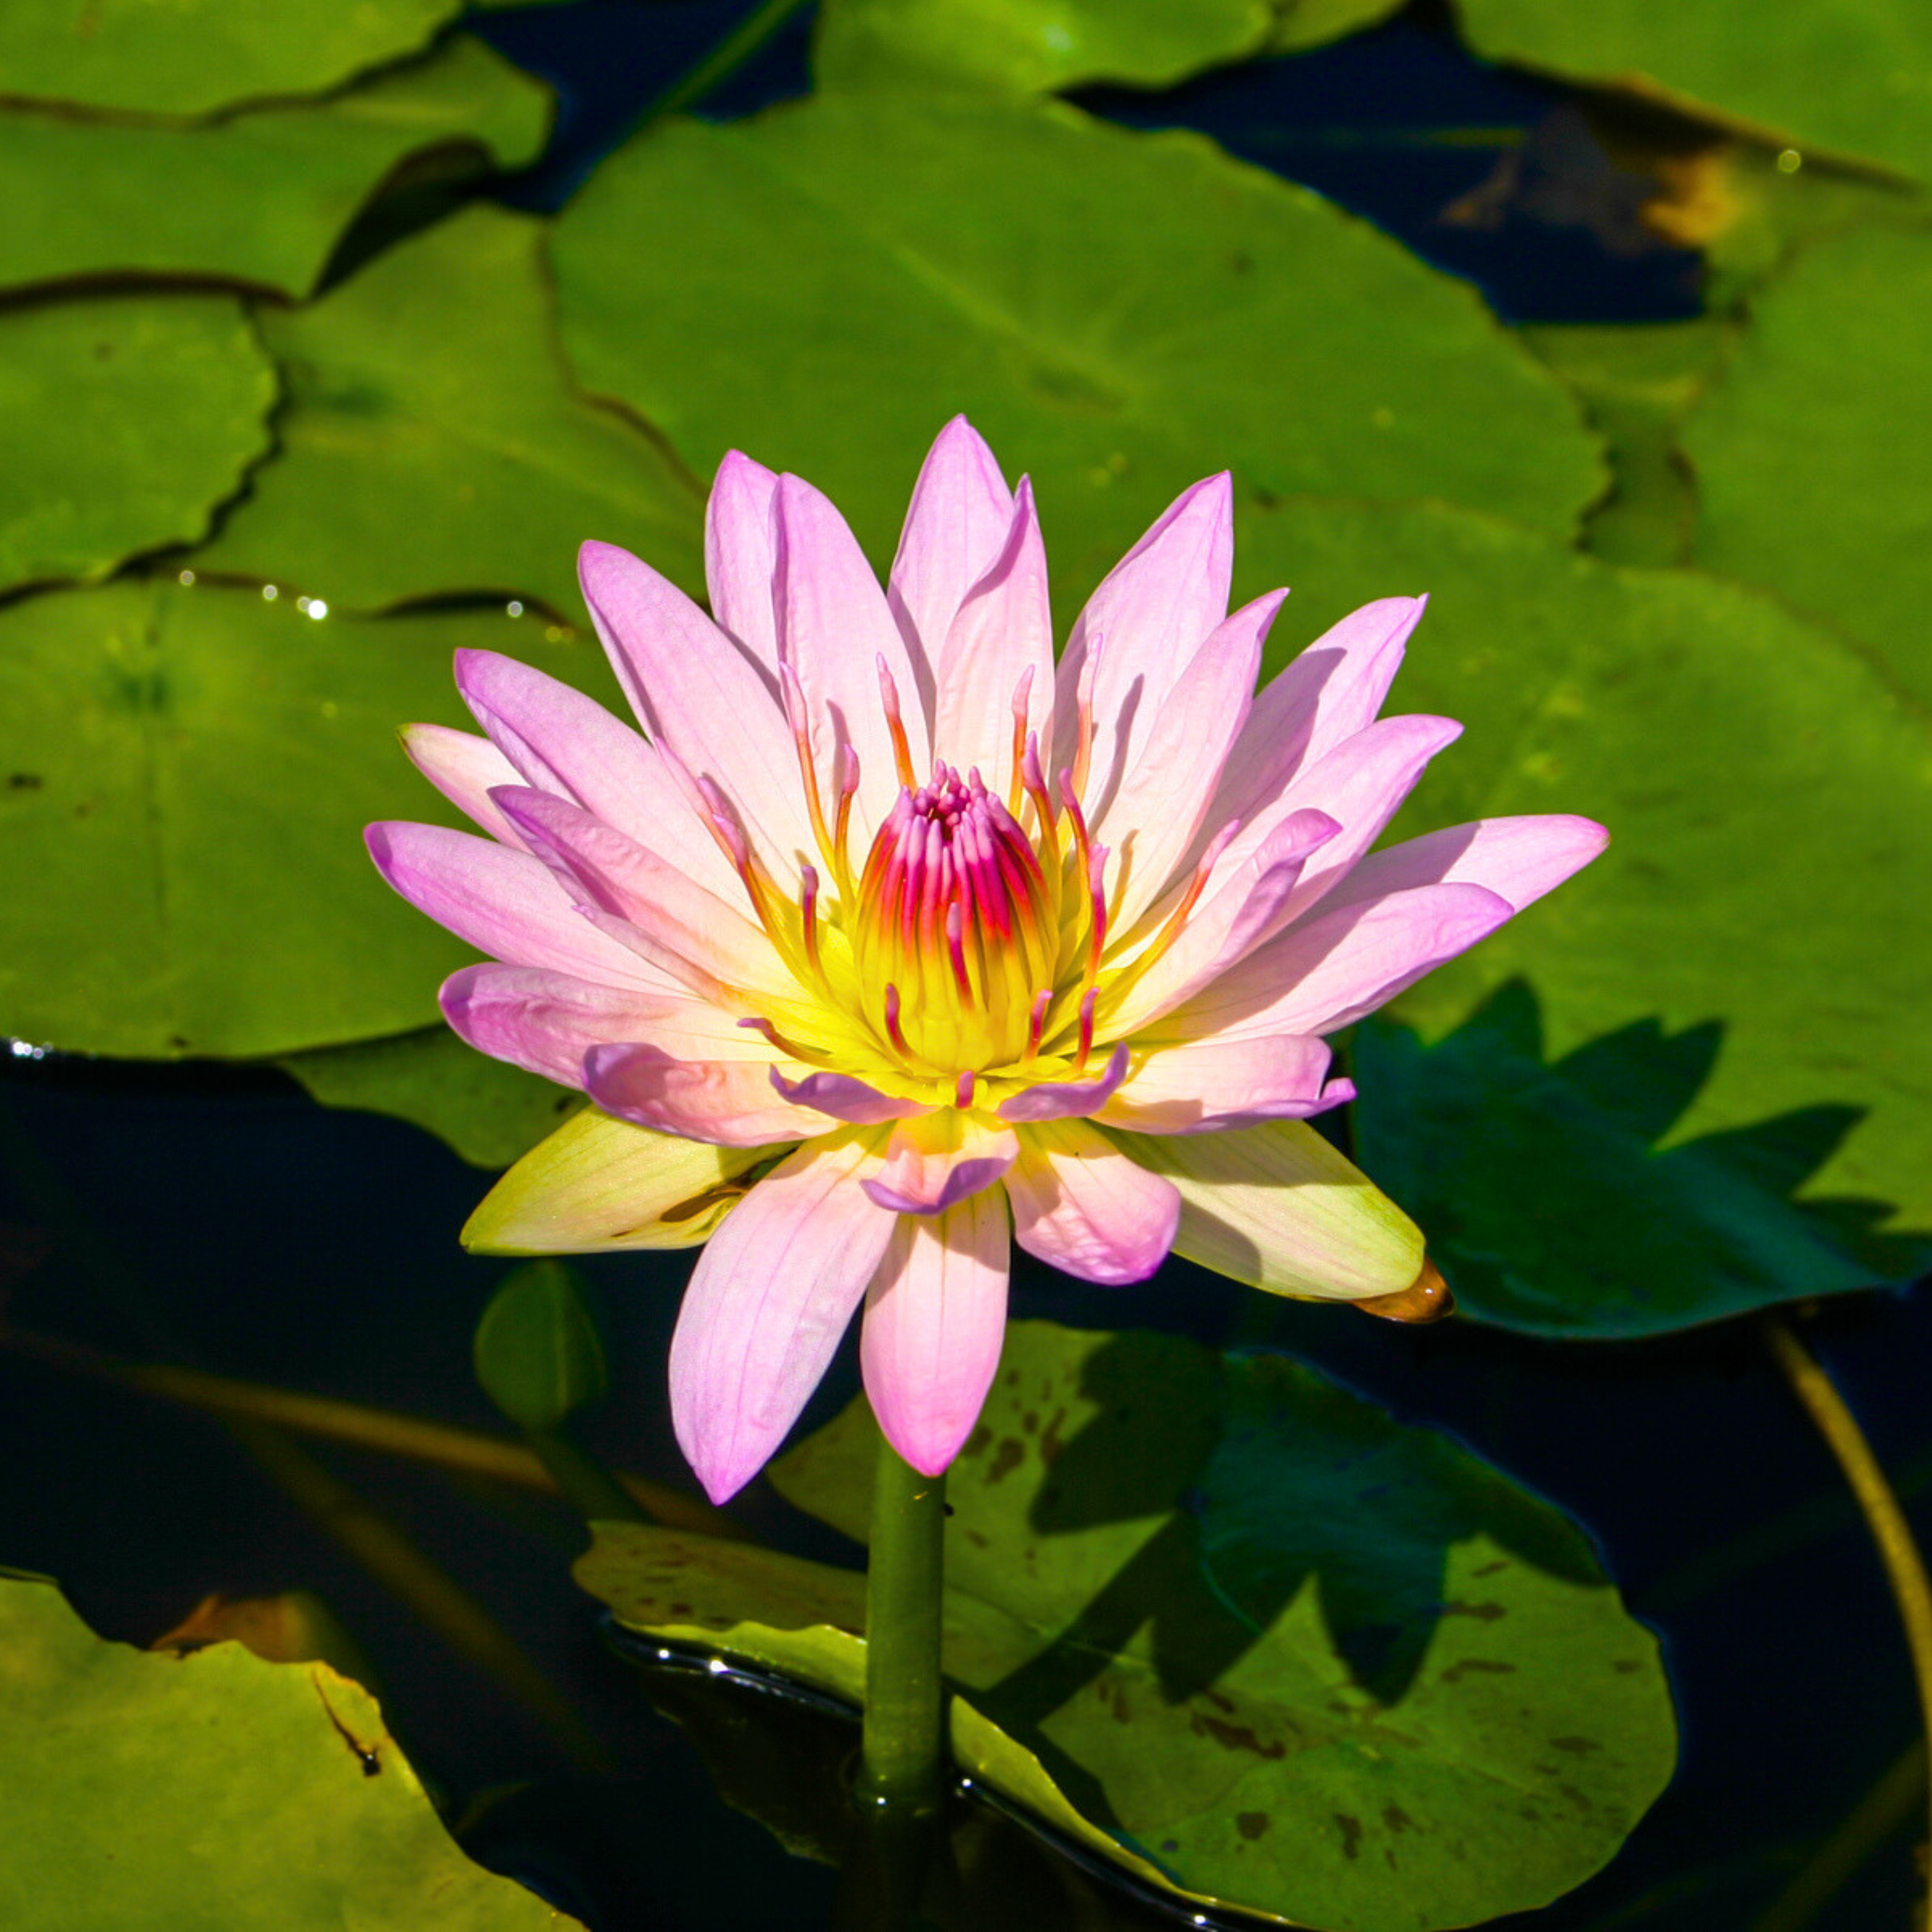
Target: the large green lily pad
pixel 1031 45
pixel 259 198
pixel 1624 1241
pixel 1766 791
pixel 1855 76
pixel 214 1792
pixel 432 442
pixel 1119 313
pixel 184 774
pixel 1277 1649
pixel 190 57
pixel 127 422
pixel 1813 455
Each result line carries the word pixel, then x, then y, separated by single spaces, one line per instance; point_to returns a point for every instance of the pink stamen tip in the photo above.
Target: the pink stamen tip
pixel 1030 768
pixel 1022 691
pixel 808 911
pixel 893 1032
pixel 956 946
pixel 962 1094
pixel 1037 1020
pixel 1086 1028
pixel 888 697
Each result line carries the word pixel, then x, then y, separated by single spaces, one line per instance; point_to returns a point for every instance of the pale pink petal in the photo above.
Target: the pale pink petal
pixel 1082 1205
pixel 833 629
pixel 1066 1099
pixel 697 694
pixel 943 1157
pixel 1518 859
pixel 728 1101
pixel 506 904
pixel 845 1098
pixel 1153 819
pixel 1150 613
pixel 769 1299
pixel 1243 901
pixel 463 767
pixel 561 742
pixel 1212 1086
pixel 1003 633
pixel 1336 965
pixel 935 1320
pixel 618 877
pixel 548 1021
pixel 741 559
pixel 1278 1207
pixel 955 526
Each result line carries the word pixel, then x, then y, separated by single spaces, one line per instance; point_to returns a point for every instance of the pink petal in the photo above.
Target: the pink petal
pixel 728 1101
pixel 1519 859
pixel 548 1021
pixel 686 925
pixel 845 1098
pixel 935 1321
pixel 1063 1099
pixel 769 1299
pixel 955 526
pixel 941 1158
pixel 1082 1204
pixel 561 742
pixel 1211 1086
pixel 463 767
pixel 696 692
pixel 1336 965
pixel 741 559
pixel 1150 613
pixel 1003 630
pixel 505 903
pixel 833 629
pixel 1152 820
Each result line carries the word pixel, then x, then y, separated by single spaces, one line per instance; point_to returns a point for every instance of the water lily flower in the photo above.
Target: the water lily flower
pixel 889 940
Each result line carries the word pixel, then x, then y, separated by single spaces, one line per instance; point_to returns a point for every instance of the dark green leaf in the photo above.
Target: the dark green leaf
pixel 1302 24
pixel 537 1353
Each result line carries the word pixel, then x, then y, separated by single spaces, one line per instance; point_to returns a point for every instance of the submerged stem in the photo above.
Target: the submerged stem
pixel 1904 1567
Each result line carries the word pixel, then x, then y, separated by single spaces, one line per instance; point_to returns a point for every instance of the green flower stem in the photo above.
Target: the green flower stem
pixel 587 1485
pixel 1904 1567
pixel 900 1767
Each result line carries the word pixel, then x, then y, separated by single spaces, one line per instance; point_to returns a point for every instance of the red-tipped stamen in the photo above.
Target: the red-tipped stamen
pixel 1037 1020
pixel 1087 999
pixel 1022 691
pixel 1034 776
pixel 808 911
pixel 1092 865
pixel 848 789
pixel 798 719
pixel 962 1094
pixel 956 951
pixel 889 696
pixel 759 886
pixel 1171 928
pixel 894 1032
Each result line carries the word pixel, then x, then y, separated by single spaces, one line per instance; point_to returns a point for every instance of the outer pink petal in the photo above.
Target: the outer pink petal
pixel 1210 1086
pixel 1150 613
pixel 683 922
pixel 463 767
pixel 1079 1203
pixel 935 1321
pixel 955 526
pixel 941 1158
pixel 1004 631
pixel 505 903
pixel 741 559
pixel 769 1299
pixel 730 1102
pixel 843 1098
pixel 548 1021
pixel 1067 1099
pixel 833 629
pixel 696 692
pixel 1152 820
pixel 1337 965
pixel 1519 859
pixel 561 742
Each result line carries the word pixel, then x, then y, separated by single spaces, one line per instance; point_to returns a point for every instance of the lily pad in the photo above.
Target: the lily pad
pixel 1031 46
pixel 259 198
pixel 1118 313
pixel 432 442
pixel 1766 789
pixel 1854 76
pixel 490 1112
pixel 1280 1652
pixel 185 775
pixel 128 423
pixel 214 1793
pixel 1624 1240
pixel 1301 25
pixel 190 57
pixel 1813 455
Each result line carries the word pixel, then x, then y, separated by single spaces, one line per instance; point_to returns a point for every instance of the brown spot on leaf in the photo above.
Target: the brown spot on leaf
pixel 981 1436
pixel 1576 1797
pixel 1579 1747
pixel 1490 1569
pixel 24 781
pixel 1030 1422
pixel 1351 1834
pixel 1624 1666
pixel 1220 1701
pixel 1252 1824
pixel 1050 1444
pixel 365 1755
pixel 680 1610
pixel 1396 1819
pixel 1011 1454
pixel 1457 1672
pixel 1122 1709
pixel 1236 1737
pixel 1486 1613
pixel 977 1539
